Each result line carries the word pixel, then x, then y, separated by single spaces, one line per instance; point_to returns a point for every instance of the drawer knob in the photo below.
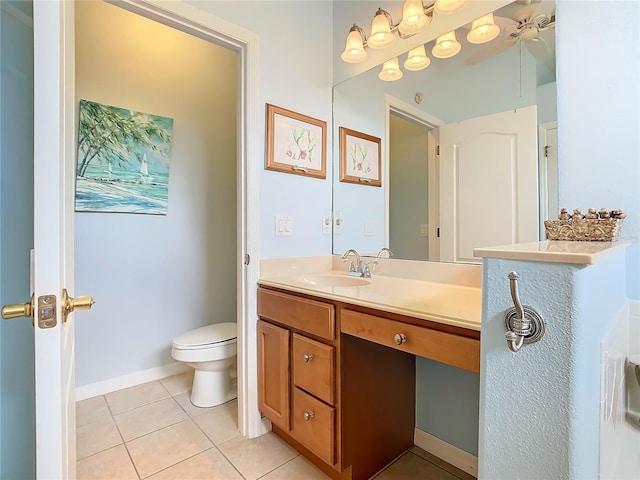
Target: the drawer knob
pixel 308 416
pixel 308 357
pixel 399 338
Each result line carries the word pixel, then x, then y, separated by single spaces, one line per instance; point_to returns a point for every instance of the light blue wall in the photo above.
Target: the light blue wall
pixel 294 72
pixel 17 452
pixel 599 114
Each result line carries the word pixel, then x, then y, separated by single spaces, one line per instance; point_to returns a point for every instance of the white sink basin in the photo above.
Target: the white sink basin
pixel 328 280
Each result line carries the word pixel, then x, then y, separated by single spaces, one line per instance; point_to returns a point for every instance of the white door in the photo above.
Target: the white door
pixel 488 183
pixel 53 237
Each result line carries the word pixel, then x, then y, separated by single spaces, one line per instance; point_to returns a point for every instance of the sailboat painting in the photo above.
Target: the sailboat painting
pixel 123 160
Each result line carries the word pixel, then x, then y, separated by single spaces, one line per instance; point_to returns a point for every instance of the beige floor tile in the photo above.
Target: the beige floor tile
pixel 297 469
pixel 257 456
pixel 221 423
pixel 96 437
pixel 410 467
pixel 133 397
pixel 163 448
pixel 184 399
pixel 91 410
pixel 178 384
pixel 209 465
pixel 108 465
pixel 149 418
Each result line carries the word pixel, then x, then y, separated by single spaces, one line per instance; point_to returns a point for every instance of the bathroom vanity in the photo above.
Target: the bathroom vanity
pixel 336 357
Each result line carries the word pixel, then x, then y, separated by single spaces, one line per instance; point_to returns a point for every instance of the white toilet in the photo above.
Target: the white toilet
pixel 211 351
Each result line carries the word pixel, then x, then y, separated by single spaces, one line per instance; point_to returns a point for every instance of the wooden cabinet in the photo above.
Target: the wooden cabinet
pixel 337 380
pixel 298 335
pixel 273 373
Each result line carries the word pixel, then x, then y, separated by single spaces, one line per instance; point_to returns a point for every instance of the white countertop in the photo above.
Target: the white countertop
pixel 553 251
pixel 446 293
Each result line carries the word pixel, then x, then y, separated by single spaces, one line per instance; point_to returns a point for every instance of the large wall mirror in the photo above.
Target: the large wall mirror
pixel 425 200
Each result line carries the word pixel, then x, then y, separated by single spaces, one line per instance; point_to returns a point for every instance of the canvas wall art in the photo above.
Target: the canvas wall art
pixel 123 160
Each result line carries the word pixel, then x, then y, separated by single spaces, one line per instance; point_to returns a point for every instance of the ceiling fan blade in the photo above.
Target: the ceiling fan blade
pixel 492 50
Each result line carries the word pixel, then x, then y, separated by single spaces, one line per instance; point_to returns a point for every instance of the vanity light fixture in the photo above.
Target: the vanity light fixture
pixel 417 59
pixel 414 18
pixel 354 51
pixel 449 7
pixel 381 35
pixel 483 30
pixel 446 46
pixel 390 71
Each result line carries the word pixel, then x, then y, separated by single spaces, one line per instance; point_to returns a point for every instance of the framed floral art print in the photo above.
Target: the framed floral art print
pixel 359 158
pixel 295 143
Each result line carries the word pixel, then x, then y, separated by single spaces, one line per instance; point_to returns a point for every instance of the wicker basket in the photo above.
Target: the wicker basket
pixel 586 230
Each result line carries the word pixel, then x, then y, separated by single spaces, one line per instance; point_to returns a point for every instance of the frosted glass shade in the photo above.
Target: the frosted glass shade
pixel 381 35
pixel 390 71
pixel 417 59
pixel 354 51
pixel 483 30
pixel 446 46
pixel 448 7
pixel 414 19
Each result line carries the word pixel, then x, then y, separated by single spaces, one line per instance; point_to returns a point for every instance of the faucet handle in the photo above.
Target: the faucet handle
pixel 366 270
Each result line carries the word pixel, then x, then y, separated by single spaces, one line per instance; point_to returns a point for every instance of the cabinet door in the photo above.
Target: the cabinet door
pixel 313 366
pixel 274 373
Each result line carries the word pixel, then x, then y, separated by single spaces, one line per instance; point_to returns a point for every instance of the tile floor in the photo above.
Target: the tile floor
pixel 152 431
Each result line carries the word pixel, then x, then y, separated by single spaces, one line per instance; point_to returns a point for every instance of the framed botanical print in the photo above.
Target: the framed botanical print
pixel 295 143
pixel 360 158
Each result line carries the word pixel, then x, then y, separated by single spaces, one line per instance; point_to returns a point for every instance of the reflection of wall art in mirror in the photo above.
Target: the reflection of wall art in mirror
pixel 359 158
pixel 295 143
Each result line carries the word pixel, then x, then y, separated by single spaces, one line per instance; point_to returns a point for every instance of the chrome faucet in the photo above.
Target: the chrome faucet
pixel 354 268
pixel 383 250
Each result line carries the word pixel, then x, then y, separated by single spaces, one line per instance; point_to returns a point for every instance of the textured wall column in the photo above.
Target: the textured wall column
pixel 539 407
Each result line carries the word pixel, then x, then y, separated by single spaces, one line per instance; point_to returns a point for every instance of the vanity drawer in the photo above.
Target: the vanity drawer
pixel 316 318
pixel 454 350
pixel 313 425
pixel 313 367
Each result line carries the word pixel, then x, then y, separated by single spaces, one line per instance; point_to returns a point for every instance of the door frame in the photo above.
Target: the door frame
pixel 194 21
pixel 544 171
pixel 431 123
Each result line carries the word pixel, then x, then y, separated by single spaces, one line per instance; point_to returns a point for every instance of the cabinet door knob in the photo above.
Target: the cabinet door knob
pixel 308 357
pixel 399 338
pixel 308 416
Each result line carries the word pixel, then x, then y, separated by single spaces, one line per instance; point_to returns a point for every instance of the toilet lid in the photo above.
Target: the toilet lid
pixel 216 333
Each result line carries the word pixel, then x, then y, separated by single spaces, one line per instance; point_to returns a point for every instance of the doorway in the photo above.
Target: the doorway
pixel 412 197
pixel 187 264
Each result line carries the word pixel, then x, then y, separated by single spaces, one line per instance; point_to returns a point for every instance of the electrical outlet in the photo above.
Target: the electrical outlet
pixel 369 228
pixel 424 230
pixel 326 224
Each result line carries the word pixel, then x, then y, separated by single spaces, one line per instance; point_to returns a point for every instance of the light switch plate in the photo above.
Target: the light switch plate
pixel 283 226
pixel 424 230
pixel 369 227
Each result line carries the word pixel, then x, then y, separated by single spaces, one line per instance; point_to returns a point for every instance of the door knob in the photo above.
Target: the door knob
pixel 69 304
pixel 18 310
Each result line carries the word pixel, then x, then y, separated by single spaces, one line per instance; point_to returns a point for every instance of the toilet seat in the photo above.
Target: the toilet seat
pixel 218 334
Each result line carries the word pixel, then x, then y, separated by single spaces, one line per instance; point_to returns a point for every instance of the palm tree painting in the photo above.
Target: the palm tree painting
pixel 123 160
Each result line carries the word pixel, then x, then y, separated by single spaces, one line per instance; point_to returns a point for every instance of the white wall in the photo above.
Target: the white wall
pixel 154 277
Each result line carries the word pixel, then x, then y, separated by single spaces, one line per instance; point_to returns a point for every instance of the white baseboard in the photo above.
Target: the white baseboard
pixel 129 380
pixel 447 452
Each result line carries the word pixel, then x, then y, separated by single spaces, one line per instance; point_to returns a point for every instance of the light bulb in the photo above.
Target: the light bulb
pixel 390 71
pixel 448 7
pixel 483 30
pixel 354 51
pixel 381 35
pixel 446 46
pixel 414 19
pixel 417 59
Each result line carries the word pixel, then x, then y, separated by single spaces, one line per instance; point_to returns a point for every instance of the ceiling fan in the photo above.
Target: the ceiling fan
pixel 523 25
